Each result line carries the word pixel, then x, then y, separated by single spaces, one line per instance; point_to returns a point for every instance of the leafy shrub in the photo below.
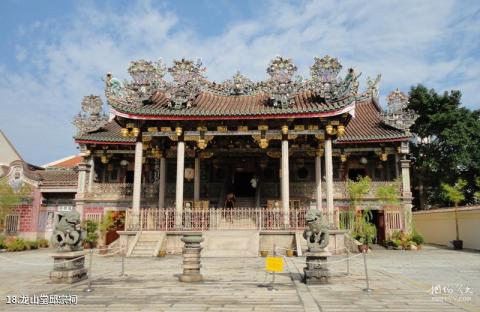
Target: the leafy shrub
pixel 417 238
pixel 16 244
pixel 91 238
pixel 31 244
pixel 43 243
pixel 2 241
pixel 90 226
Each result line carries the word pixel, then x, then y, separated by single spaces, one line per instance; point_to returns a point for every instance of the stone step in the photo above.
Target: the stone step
pixel 231 243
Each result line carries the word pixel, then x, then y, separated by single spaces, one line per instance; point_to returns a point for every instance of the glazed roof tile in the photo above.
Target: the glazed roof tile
pixel 58 177
pixel 109 133
pixel 210 104
pixel 368 126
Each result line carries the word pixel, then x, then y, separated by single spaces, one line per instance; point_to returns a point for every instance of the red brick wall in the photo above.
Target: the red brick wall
pixel 26 217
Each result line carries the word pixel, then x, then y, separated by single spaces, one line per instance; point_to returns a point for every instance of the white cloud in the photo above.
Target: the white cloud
pixel 428 42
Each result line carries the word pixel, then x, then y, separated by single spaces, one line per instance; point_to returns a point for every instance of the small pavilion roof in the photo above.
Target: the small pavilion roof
pixel 367 126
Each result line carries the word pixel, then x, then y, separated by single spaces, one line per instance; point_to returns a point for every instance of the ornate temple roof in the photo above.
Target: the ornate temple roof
pixel 190 96
pixel 368 126
pixel 208 105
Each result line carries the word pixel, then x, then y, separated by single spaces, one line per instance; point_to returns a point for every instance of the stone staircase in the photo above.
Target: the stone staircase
pixel 147 244
pixel 231 243
pixel 245 202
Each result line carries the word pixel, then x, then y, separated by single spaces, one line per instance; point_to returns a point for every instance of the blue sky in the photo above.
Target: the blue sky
pixel 54 52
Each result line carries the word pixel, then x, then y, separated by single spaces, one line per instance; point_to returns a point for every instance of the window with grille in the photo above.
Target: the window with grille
pixel 12 223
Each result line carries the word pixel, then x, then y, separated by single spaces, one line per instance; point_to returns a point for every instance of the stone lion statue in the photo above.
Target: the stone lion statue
pixel 316 233
pixel 68 236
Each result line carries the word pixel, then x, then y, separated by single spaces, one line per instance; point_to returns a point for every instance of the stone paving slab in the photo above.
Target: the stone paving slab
pixel 400 282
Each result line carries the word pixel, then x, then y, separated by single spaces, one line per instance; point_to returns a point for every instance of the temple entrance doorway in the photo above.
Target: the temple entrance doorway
pixel 242 186
pixel 379 221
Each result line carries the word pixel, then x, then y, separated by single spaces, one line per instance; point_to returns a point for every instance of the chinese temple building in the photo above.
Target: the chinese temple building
pixel 175 150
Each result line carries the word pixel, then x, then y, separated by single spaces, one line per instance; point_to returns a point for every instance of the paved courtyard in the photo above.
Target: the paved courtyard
pixel 401 281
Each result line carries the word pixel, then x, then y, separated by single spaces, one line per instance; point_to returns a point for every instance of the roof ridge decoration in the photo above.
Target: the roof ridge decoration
pixel 92 118
pixel 397 114
pixel 372 91
pixel 189 81
pixel 282 89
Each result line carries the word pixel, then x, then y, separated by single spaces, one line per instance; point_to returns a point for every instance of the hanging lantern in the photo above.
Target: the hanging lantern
pixel 263 143
pixel 329 129
pixel 201 144
pixel 343 157
pixel 104 159
pixel 135 131
pixel 363 160
pixel 189 174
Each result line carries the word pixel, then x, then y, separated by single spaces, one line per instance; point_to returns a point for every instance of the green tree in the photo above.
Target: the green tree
pixel 447 145
pixel 454 194
pixel 9 198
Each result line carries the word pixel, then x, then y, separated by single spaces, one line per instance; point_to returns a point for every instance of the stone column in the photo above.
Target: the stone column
pixel 329 178
pixel 161 184
pixel 83 169
pixel 196 181
pixel 318 179
pixel 137 182
pixel 285 183
pixel 91 176
pixel 179 182
pixel 406 194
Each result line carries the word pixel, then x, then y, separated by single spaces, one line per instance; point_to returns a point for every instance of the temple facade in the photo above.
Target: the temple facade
pixel 174 148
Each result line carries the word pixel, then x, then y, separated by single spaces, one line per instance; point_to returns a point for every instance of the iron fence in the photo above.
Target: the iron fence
pixel 154 219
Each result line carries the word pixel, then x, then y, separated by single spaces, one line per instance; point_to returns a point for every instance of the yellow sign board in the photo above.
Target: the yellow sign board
pixel 274 264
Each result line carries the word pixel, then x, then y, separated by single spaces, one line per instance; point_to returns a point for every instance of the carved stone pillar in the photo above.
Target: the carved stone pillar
pixel 91 176
pixel 83 169
pixel 161 184
pixel 196 181
pixel 329 178
pixel 285 183
pixel 179 182
pixel 137 180
pixel 406 194
pixel 318 179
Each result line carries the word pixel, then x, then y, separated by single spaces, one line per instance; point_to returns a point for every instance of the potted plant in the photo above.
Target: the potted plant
pixel 264 253
pixel 289 252
pixel 365 232
pixel 91 238
pixel 454 194
pixel 107 224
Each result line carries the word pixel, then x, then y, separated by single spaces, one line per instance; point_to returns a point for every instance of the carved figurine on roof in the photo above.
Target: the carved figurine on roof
pixel 188 81
pixel 281 87
pixel 91 118
pixel 397 114
pixel 148 78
